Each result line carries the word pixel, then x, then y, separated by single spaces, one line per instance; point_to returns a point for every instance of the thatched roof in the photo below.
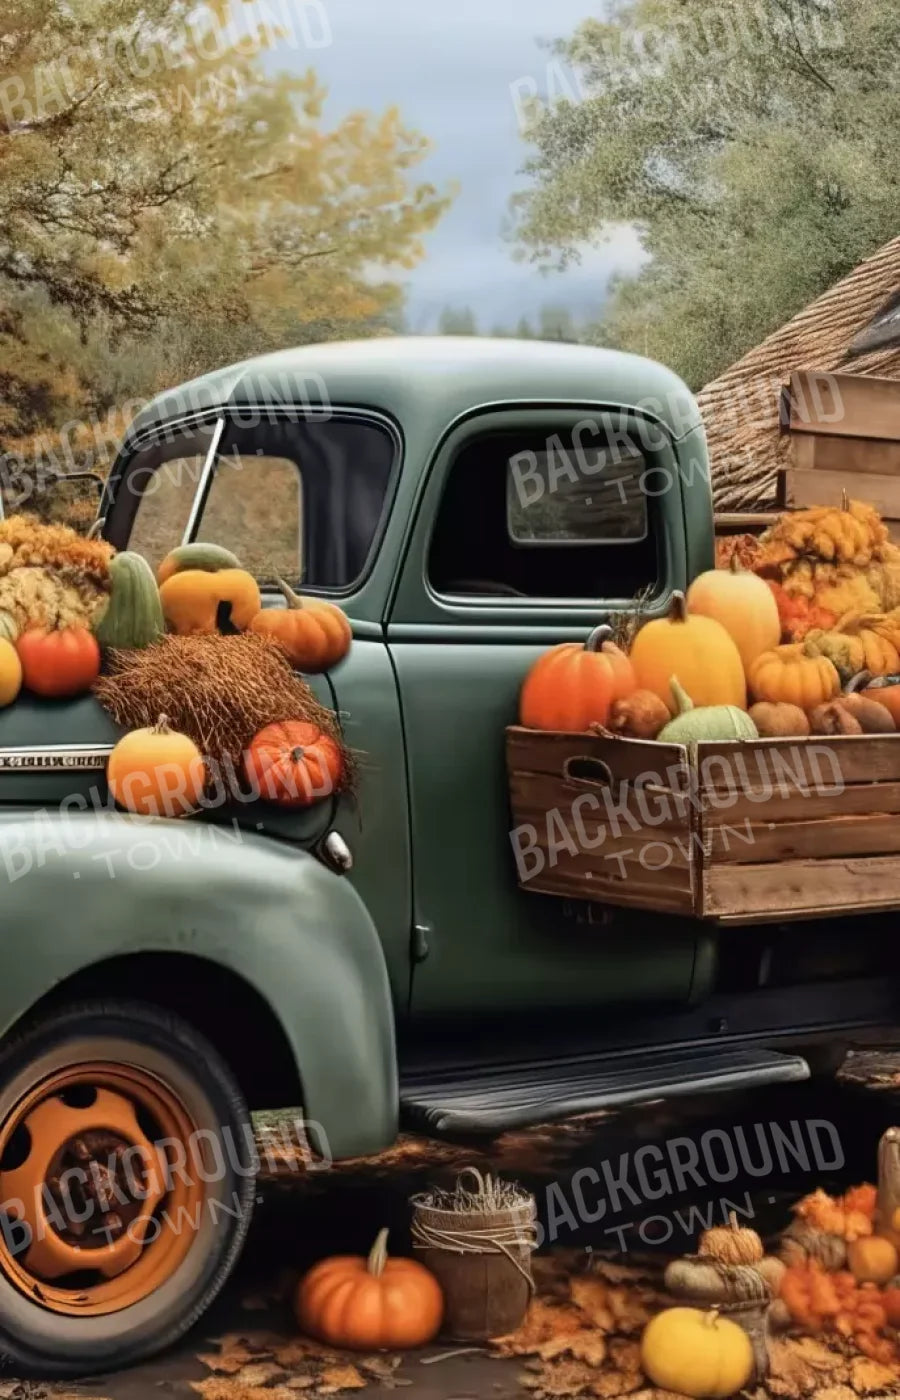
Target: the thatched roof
pixel 854 327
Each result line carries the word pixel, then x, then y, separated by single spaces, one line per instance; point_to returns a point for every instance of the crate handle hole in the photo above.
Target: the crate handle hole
pixel 583 769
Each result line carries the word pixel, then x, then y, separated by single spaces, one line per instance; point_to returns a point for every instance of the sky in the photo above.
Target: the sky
pixel 452 67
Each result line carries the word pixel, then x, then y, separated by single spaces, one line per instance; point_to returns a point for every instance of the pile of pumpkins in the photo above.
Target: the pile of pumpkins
pixel 196 589
pixel 714 668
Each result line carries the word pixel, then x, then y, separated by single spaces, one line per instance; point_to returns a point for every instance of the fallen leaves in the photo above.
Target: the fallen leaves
pixel 582 1338
pixel 267 1366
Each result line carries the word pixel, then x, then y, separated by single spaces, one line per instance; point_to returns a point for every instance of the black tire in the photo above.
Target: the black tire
pixel 38 1341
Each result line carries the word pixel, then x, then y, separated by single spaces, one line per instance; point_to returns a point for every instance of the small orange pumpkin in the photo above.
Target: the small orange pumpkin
pixel 370 1304
pixel 191 599
pixel 293 764
pixel 872 1259
pixel 314 633
pixel 573 685
pixel 789 673
pixel 156 772
pixel 58 662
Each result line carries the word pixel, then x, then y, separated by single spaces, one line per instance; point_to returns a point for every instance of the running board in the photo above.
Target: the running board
pixel 493 1100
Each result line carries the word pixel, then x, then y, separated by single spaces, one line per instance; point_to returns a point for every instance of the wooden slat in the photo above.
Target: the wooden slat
pixel 737 522
pixel 801 886
pixel 630 894
pixel 818 762
pixel 751 843
pixel 844 405
pixel 545 751
pixel 857 800
pixel 824 488
pixel 646 814
pixel 852 456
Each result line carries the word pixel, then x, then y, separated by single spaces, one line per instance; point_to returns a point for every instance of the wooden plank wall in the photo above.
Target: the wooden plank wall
pixel 845 435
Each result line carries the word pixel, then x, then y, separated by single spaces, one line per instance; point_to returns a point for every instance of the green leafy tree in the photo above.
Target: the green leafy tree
pixel 457 321
pixel 753 145
pixel 167 204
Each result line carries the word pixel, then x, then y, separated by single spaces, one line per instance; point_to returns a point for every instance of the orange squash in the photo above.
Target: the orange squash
pixel 744 605
pixel 872 1259
pixel 192 597
pixel 789 673
pixel 370 1304
pixel 293 764
pixel 888 696
pixel 315 633
pixel 60 662
pixel 156 772
pixel 573 685
pixel 696 649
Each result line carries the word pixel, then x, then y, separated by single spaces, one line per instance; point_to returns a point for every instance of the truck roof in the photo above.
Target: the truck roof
pixel 438 376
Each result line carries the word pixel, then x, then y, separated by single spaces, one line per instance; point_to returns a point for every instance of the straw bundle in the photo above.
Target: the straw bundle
pixel 218 690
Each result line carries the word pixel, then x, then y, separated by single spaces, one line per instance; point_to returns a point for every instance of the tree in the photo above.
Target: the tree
pixel 166 204
pixel 457 321
pixel 752 145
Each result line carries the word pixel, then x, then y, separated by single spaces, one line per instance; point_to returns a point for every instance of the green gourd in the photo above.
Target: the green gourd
pixel 134 615
pixel 208 557
pixel 693 724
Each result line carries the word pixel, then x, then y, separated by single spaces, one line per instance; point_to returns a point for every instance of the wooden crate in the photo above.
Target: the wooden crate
pixel 747 832
pixel 845 435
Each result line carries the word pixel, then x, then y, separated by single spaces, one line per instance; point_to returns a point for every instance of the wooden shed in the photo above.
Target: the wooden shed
pixel 816 406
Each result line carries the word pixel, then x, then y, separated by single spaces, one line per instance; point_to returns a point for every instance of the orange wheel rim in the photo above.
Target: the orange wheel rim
pixel 99 1212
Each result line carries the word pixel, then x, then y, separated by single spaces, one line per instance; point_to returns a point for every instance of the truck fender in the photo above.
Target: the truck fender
pixel 80 888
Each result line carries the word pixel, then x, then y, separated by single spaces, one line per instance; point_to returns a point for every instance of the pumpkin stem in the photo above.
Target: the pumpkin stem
pixel 297 754
pixel 735 564
pixel 678 607
pixel 845 499
pixel 682 700
pixel 292 599
pixel 378 1254
pixel 712 1317
pixel 733 1220
pixel 162 725
pixel 95 529
pixel 601 634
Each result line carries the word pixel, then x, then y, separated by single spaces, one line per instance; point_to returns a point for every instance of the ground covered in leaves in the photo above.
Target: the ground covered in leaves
pixel 581 1338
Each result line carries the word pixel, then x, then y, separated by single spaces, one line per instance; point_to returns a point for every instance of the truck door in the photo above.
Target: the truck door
pixel 531 526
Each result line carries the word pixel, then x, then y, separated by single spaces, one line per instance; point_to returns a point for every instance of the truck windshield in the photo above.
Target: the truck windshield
pixel 292 498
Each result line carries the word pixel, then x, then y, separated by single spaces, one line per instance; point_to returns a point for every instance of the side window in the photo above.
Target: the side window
pixel 544 518
pixel 293 498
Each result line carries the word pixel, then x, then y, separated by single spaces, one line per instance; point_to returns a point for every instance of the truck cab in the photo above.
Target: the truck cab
pixel 467 503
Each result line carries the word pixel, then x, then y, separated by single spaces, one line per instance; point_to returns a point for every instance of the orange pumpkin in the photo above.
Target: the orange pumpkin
pixel 293 764
pixel 156 772
pixel 574 685
pixel 370 1304
pixel 888 696
pixel 789 673
pixel 744 605
pixel 872 1259
pixel 697 650
pixel 314 633
pixel 192 597
pixel 65 661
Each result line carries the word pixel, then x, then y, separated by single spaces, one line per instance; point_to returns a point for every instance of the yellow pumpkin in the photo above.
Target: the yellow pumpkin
pixel 10 672
pixel 697 650
pixel 191 599
pixel 696 1353
pixel 789 673
pixel 743 603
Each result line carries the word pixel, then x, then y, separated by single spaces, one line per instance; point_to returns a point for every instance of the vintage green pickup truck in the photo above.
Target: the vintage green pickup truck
pixel 468 503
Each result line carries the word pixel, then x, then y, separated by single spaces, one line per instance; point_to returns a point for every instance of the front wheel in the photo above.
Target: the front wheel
pixel 127 1182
